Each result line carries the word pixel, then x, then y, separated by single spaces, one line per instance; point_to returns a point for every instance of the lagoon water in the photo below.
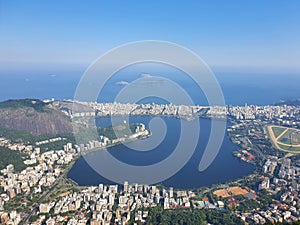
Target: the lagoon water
pixel 224 168
pixel 238 88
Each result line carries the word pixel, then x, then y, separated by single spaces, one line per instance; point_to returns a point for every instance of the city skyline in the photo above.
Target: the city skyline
pixel 149 112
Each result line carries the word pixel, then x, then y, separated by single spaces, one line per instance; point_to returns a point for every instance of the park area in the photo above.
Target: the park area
pixel 285 138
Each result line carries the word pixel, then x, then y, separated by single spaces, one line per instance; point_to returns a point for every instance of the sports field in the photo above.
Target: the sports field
pixel 285 138
pixel 232 191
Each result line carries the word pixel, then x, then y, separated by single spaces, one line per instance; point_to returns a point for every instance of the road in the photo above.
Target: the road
pixel 44 196
pixel 59 181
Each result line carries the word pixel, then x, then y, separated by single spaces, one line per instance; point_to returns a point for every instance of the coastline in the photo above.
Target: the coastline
pixel 206 122
pixel 113 144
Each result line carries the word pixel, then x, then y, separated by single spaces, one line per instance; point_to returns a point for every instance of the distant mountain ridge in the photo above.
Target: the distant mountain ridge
pixel 34 116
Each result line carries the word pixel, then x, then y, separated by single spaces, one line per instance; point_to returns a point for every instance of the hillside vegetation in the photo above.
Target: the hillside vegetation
pixel 34 116
pixel 11 157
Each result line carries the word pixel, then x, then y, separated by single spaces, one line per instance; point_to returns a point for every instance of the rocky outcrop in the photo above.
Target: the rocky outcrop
pixel 34 116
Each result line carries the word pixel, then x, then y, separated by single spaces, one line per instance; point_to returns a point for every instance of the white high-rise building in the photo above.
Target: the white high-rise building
pixel 100 186
pixel 153 190
pixel 156 199
pixel 166 203
pixel 171 194
pixel 10 168
pixel 1 205
pixel 111 199
pixel 265 184
pixel 126 185
pixel 69 147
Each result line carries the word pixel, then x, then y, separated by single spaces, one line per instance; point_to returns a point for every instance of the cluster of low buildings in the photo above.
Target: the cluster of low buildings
pixel 104 204
pixel 26 149
pixel 206 203
pixel 280 177
pixel 244 155
pixel 270 165
pixel 4 142
pixel 12 218
pixel 282 115
pixel 118 109
pixel 51 140
pixel 274 213
pixel 109 203
pixel 42 171
pixel 219 112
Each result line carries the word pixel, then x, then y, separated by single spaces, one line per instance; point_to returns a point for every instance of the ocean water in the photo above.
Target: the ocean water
pixel 238 89
pixel 61 83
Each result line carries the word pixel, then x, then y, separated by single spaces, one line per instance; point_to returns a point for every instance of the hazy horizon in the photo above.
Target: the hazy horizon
pixel 253 36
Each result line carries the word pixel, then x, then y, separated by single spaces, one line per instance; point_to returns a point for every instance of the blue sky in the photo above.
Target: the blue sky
pixel 257 34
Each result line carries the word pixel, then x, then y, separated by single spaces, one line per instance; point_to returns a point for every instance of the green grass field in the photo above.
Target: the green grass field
pixel 291 136
pixel 278 131
pixel 288 141
pixel 289 148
